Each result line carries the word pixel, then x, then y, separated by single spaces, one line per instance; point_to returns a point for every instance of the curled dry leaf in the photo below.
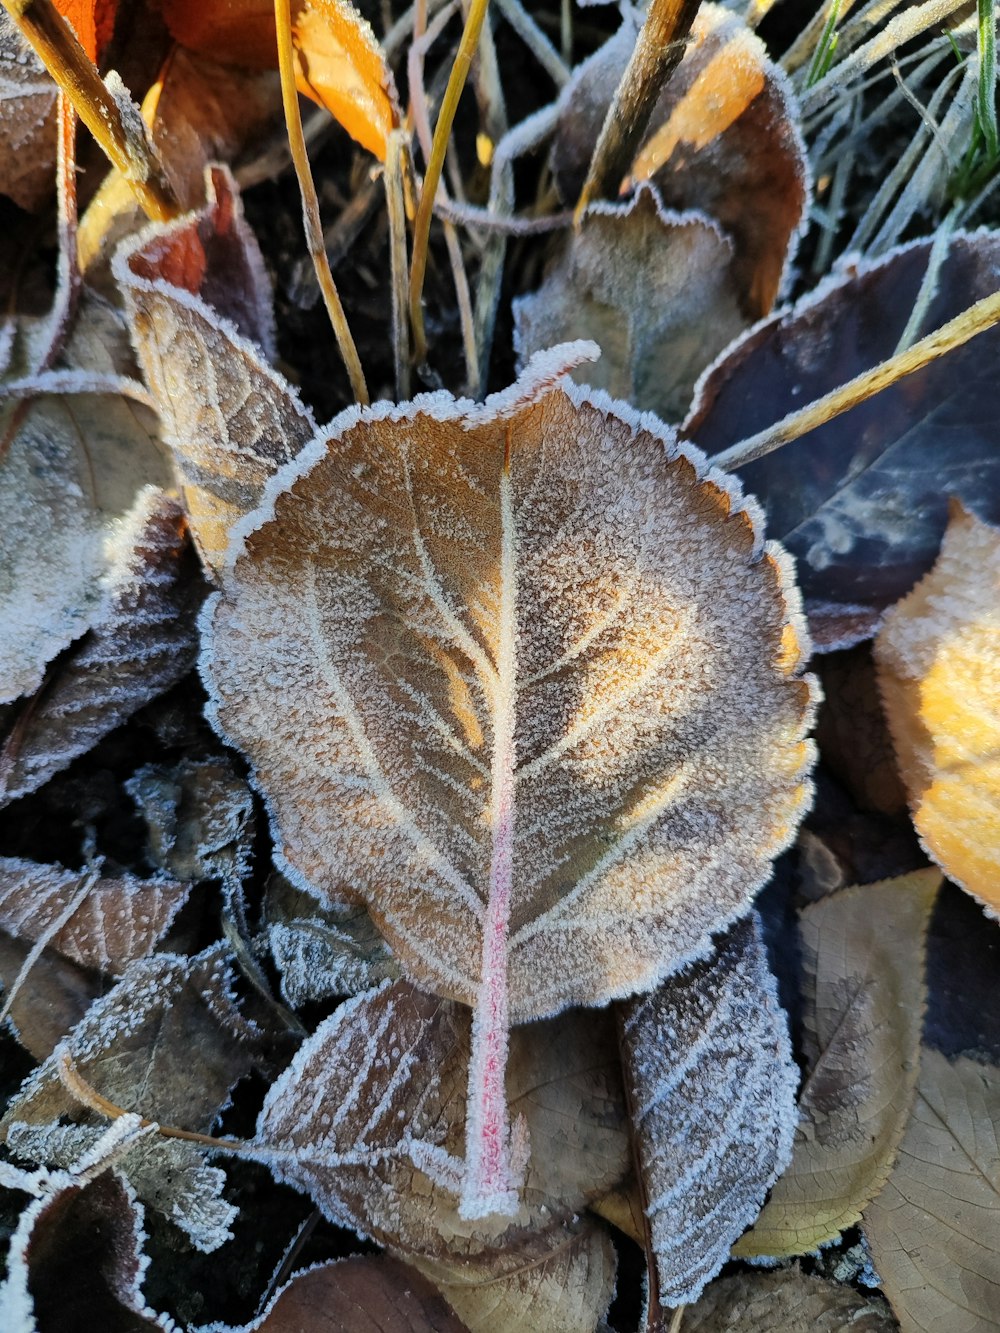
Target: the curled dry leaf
pixel 169 1043
pixel 27 121
pixel 652 289
pixel 784 1302
pixel 142 640
pixel 712 1094
pixel 200 818
pixel 118 921
pixel 363 1294
pixel 933 1229
pixel 938 658
pixel 323 951
pixel 863 959
pixel 548 715
pixel 72 487
pixel 370 1115
pixel 724 139
pixel 76 1262
pixel 196 295
pixel 559 1281
pixel 338 60
pixel 862 501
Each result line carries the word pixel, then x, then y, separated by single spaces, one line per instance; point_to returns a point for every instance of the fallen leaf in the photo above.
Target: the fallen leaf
pixel 724 140
pixel 933 1227
pixel 370 1114
pixel 863 962
pixel 563 714
pixel 622 1207
pixel 323 951
pixel 363 1294
pixel 119 919
pixel 28 119
pixel 169 1043
pixel 561 1281
pixel 653 289
pixel 938 657
pixel 71 482
pixel 784 1302
pixel 200 818
pixel 712 1093
pixel 52 996
pixel 338 60
pixel 863 500
pixel 142 640
pixel 196 295
pixel 77 1262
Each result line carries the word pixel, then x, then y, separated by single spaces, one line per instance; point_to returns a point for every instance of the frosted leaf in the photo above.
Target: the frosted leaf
pixel 200 818
pixel 27 121
pixel 784 1302
pixel 652 289
pixel 365 1294
pixel 71 484
pixel 384 1079
pixel 142 640
pixel 168 1042
pixel 862 504
pixel 938 657
pixel 52 994
pixel 864 999
pixel 724 139
pixel 560 1281
pixel 713 1086
pixel 79 1247
pixel 323 951
pixel 118 921
pixel 933 1229
pixel 199 314
pixel 521 673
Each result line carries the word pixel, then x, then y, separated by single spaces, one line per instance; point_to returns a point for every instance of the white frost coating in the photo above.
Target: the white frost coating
pixel 713 1081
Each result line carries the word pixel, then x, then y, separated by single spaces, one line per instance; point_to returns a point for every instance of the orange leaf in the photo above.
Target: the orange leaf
pixel 93 22
pixel 338 61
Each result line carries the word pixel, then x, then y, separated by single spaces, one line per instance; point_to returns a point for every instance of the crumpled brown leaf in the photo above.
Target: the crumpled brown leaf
pixel 369 1117
pixel 863 962
pixel 712 1095
pixel 723 139
pixel 938 657
pixel 142 640
pixel 784 1302
pixel 198 305
pixel 933 1228
pixel 652 288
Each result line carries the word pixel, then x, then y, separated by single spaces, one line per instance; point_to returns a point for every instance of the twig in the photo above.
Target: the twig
pixel 976 319
pixel 310 204
pixel 432 178
pixel 658 52
pixel 125 144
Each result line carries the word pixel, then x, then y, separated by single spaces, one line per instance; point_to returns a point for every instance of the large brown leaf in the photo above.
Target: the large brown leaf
pixel 938 658
pixel 712 1086
pixel 529 683
pixel 862 501
pixel 933 1229
pixel 864 954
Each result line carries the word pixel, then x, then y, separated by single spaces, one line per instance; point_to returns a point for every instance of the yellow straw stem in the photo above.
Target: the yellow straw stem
pixel 976 319
pixel 310 203
pixel 442 133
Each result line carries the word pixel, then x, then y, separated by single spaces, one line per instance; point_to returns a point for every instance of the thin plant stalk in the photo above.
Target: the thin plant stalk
pixel 977 318
pixel 658 52
pixel 122 138
pixel 432 178
pixel 396 211
pixel 310 204
pixel 986 101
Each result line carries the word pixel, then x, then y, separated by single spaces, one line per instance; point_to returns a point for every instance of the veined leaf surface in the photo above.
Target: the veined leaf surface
pixel 528 682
